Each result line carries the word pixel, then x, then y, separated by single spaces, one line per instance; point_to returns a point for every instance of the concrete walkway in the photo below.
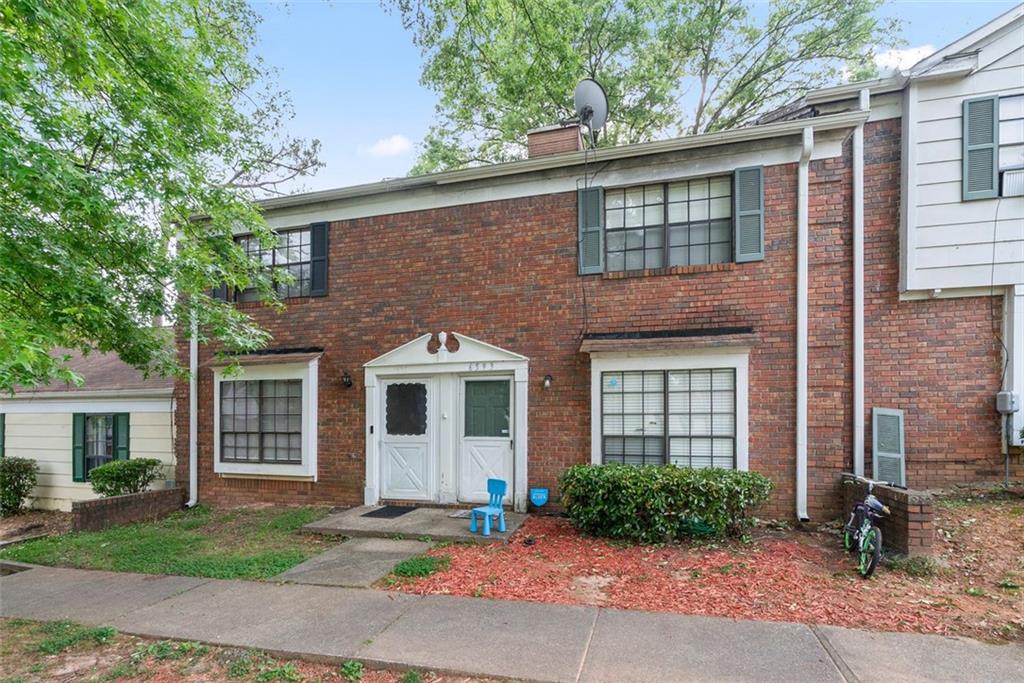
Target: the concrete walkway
pixel 527 641
pixel 437 524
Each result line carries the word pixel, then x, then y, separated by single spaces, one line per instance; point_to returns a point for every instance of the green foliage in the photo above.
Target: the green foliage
pixel 421 565
pixel 17 479
pixel 501 67
pixel 121 121
pixel 120 477
pixel 285 673
pixel 352 670
pixel 197 542
pixel 63 635
pixel 918 567
pixel 165 650
pixel 411 677
pixel 653 504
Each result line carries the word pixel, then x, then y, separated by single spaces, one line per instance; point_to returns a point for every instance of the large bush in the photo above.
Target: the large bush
pixel 653 504
pixel 17 478
pixel 120 477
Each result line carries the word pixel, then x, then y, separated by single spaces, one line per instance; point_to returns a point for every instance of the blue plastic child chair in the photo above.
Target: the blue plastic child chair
pixel 495 492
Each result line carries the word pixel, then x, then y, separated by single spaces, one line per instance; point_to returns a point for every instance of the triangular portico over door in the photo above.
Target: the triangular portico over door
pixel 423 443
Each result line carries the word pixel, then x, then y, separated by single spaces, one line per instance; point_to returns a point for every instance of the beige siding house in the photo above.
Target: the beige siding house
pixel 69 430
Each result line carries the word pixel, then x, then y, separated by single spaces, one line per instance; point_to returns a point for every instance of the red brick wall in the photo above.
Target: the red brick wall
pixel 102 513
pixel 505 272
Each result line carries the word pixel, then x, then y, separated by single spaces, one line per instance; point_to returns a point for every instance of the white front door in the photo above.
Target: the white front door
pixel 408 470
pixel 485 451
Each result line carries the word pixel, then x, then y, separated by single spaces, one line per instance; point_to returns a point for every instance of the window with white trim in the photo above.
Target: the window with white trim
pixel 683 223
pixel 682 417
pixel 261 421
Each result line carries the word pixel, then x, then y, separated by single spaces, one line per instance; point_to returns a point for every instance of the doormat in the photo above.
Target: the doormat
pixel 388 512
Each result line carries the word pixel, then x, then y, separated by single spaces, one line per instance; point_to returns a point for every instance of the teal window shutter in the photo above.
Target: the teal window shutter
pixel 981 148
pixel 78 447
pixel 318 259
pixel 3 433
pixel 590 212
pixel 887 453
pixel 748 200
pixel 121 435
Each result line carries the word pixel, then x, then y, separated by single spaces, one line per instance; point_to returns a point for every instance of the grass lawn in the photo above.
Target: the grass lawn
pixel 238 543
pixel 972 587
pixel 33 652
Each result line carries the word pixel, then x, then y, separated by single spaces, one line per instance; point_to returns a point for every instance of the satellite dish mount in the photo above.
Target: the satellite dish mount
pixel 591 106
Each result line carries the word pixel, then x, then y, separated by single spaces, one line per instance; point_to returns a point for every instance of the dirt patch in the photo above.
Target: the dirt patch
pixel 777 575
pixel 34 523
pixel 127 658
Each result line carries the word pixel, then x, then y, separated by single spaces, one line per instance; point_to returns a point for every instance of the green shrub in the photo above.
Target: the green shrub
pixel 421 565
pixel 120 477
pixel 653 504
pixel 17 479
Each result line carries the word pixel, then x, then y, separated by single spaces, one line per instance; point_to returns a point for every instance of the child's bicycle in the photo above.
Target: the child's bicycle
pixel 861 535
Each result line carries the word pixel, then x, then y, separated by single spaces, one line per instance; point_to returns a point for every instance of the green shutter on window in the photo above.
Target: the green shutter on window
pixel 981 148
pixel 3 433
pixel 318 259
pixel 121 435
pixel 590 214
pixel 748 226
pixel 78 447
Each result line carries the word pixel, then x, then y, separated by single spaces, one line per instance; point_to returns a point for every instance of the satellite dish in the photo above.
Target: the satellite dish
pixel 591 104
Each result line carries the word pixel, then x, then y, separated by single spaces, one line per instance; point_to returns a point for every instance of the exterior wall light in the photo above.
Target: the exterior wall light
pixel 346 380
pixel 548 379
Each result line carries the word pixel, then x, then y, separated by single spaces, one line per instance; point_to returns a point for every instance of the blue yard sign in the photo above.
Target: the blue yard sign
pixel 538 497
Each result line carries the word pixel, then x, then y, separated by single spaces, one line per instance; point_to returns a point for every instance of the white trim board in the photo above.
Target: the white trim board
pixel 307 372
pixel 86 405
pixel 696 359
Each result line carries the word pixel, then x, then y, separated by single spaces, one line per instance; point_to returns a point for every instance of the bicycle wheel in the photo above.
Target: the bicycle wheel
pixel 850 532
pixel 870 552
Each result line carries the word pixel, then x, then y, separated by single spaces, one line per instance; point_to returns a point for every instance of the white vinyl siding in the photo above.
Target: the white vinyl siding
pixel 46 438
pixel 952 243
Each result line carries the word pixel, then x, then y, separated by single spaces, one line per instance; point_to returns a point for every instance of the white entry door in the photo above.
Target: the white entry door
pixel 408 470
pixel 486 445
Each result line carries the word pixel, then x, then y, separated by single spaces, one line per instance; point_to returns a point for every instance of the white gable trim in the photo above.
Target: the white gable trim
pixel 472 355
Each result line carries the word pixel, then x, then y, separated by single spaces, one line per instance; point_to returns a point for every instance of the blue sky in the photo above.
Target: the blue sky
pixel 353 74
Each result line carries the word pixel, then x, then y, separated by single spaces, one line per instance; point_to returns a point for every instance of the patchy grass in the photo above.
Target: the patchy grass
pixel 241 543
pixel 420 566
pixel 121 657
pixel 972 588
pixel 59 636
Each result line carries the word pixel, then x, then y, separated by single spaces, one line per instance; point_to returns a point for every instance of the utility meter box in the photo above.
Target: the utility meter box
pixel 1007 402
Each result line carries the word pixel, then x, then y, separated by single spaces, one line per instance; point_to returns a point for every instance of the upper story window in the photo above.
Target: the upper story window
pixel 673 224
pixel 291 254
pixel 682 223
pixel 992 145
pixel 299 251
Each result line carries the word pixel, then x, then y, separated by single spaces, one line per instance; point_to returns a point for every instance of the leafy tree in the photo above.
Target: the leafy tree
pixel 501 67
pixel 121 121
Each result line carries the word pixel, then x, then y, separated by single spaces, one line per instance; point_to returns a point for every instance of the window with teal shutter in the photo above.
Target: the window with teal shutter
pixel 749 214
pixel 96 439
pixel 590 214
pixel 980 148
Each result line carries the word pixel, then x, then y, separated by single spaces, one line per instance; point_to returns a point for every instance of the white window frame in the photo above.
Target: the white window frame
pixel 696 359
pixel 307 372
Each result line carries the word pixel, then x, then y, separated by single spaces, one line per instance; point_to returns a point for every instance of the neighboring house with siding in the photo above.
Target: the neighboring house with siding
pixel 741 299
pixel 68 430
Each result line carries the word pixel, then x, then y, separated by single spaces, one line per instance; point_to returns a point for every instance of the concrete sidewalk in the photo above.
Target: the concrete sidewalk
pixel 519 640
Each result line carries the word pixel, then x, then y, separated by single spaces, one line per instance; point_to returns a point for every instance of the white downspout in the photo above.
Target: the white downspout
pixel 193 414
pixel 801 324
pixel 858 289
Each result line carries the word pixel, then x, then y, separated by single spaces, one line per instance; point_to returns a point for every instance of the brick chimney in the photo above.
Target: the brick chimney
pixel 556 139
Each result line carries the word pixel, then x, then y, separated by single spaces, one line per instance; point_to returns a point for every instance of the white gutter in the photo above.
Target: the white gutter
pixel 858 288
pixel 193 415
pixel 801 323
pixel 75 394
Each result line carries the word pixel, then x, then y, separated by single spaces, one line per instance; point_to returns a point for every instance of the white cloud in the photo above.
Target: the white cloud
pixel 900 60
pixel 393 146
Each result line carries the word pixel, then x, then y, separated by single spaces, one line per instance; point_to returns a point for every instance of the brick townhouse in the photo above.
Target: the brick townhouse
pixel 772 298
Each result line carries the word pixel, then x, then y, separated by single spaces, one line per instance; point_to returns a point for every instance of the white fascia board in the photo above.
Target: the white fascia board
pixel 851 91
pixel 77 404
pixel 88 394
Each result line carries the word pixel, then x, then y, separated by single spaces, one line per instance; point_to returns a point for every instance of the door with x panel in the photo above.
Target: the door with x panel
pixel 407 442
pixel 486 449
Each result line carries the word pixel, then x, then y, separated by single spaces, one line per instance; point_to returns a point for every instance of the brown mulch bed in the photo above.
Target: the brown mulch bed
pixel 776 575
pixel 34 523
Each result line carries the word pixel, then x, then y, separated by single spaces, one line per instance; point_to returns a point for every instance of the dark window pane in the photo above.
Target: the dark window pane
pixel 406 409
pixel 487 408
pixel 259 420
